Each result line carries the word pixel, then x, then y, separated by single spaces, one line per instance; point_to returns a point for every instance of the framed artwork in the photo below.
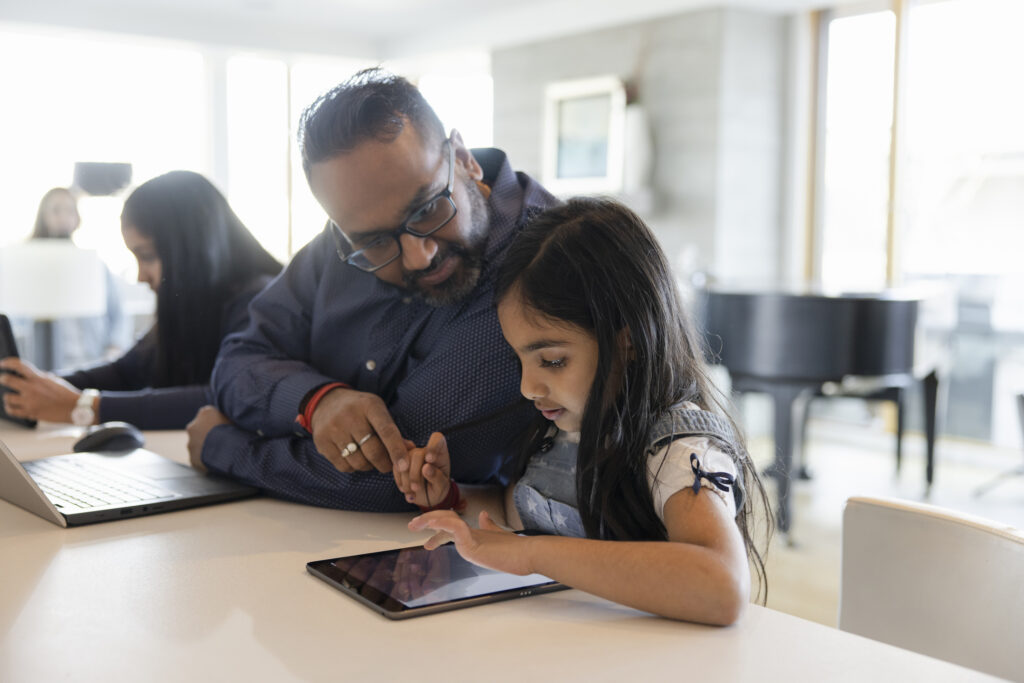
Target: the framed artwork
pixel 584 131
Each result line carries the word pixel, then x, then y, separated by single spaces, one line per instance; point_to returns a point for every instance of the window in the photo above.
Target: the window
pixel 258 147
pixel 82 97
pixel 858 124
pixel 957 214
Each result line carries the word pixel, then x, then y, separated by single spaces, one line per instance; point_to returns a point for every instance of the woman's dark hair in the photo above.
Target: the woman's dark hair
pixel 594 264
pixel 41 230
pixel 372 105
pixel 207 256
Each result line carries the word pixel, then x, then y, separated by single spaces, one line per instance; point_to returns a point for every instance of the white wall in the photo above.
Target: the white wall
pixel 713 83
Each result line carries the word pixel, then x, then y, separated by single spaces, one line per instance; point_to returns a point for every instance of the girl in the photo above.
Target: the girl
pixel 205 267
pixel 626 447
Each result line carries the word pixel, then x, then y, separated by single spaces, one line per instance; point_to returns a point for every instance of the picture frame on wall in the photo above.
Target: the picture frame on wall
pixel 584 135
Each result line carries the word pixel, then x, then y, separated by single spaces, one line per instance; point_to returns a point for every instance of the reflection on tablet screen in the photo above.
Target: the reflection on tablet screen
pixel 417 577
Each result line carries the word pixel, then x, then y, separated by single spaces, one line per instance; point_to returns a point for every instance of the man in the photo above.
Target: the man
pixel 393 300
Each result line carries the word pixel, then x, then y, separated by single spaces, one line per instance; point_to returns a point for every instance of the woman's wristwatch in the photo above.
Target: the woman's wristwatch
pixel 84 414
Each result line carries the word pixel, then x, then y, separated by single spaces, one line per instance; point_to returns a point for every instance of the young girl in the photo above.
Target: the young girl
pixel 643 484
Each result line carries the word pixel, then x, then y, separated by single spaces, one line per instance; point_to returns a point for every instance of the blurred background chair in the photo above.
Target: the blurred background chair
pixel 1016 471
pixel 934 581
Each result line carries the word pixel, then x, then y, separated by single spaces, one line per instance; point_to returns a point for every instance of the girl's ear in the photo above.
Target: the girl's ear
pixel 465 158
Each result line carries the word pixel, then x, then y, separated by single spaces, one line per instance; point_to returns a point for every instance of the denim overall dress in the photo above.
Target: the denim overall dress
pixel 545 496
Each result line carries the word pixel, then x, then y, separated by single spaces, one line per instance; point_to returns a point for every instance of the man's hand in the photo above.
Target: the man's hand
pixel 355 432
pixel 40 395
pixel 206 419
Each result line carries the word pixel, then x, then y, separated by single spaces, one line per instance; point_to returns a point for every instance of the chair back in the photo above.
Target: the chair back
pixel 935 581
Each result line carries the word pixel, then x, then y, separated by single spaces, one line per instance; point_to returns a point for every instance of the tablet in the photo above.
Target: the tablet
pixel 410 582
pixel 8 348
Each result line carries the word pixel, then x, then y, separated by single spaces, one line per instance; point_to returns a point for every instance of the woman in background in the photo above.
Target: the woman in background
pixel 85 340
pixel 205 267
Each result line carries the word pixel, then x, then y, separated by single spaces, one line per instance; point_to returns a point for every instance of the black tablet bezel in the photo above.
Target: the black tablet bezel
pixel 9 349
pixel 327 571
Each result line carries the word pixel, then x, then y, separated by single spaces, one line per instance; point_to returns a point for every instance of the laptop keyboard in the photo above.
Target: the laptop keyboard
pixel 70 485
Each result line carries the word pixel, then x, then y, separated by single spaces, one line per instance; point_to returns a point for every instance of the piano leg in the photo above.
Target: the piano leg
pixel 790 403
pixel 899 429
pixel 931 395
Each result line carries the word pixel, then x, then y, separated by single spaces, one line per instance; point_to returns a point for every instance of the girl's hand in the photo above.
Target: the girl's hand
pixel 40 395
pixel 424 474
pixel 489 546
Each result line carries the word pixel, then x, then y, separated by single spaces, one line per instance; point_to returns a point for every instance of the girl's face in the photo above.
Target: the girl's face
pixel 60 215
pixel 150 267
pixel 559 362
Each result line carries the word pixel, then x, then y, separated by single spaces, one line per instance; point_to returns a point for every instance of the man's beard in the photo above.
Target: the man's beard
pixel 464 278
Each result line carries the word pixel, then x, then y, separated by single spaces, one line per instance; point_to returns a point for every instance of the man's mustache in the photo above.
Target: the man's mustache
pixel 411 279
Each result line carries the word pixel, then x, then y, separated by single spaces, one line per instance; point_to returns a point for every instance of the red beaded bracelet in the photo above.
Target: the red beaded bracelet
pixel 453 501
pixel 305 418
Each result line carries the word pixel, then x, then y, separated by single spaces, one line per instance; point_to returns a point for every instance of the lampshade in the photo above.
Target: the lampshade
pixel 51 279
pixel 100 178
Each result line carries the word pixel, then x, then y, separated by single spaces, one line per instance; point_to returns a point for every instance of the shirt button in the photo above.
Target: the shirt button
pixel 371 365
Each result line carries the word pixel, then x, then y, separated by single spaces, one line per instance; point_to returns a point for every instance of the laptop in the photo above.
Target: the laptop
pixel 82 488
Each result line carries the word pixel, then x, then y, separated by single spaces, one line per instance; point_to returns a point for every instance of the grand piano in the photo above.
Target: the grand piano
pixel 795 346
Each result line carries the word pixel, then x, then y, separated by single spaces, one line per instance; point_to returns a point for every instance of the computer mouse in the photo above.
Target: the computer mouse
pixel 110 436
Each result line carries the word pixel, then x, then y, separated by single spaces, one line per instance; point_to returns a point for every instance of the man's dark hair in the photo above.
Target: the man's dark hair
pixel 372 105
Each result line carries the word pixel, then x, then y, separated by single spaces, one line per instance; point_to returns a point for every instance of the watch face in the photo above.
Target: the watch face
pixel 82 415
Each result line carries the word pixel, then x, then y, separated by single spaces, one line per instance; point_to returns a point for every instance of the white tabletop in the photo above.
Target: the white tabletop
pixel 222 593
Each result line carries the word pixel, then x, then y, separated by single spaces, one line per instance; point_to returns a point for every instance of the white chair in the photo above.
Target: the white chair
pixel 935 581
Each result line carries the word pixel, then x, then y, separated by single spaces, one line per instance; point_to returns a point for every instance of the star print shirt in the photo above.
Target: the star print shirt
pixel 545 496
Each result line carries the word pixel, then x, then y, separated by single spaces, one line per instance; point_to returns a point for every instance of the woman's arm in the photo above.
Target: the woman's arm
pixel 700 574
pixel 132 371
pixel 161 408
pixel 44 396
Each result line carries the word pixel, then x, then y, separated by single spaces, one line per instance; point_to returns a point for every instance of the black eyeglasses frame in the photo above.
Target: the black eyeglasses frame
pixel 351 257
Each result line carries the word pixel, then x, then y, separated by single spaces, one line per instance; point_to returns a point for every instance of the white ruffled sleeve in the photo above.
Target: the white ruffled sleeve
pixel 669 471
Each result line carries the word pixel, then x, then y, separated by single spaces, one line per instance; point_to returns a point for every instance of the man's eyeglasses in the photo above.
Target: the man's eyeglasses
pixel 424 221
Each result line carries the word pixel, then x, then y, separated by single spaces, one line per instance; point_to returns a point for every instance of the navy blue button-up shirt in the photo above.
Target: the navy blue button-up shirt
pixel 322 320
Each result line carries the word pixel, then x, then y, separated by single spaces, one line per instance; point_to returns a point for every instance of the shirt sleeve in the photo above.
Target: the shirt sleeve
pixel 126 391
pixel 669 471
pixel 263 372
pixel 130 372
pixel 290 468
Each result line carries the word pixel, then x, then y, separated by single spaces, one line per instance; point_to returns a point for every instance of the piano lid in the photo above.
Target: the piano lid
pixel 810 336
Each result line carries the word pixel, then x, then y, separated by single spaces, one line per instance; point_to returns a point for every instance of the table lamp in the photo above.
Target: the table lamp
pixel 47 280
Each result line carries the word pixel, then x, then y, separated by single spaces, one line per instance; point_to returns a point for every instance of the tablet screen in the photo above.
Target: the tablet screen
pixel 411 581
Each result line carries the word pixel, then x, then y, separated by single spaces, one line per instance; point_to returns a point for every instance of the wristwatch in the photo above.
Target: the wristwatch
pixel 83 413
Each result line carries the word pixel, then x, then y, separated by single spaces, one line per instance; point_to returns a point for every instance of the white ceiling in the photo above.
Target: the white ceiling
pixel 377 29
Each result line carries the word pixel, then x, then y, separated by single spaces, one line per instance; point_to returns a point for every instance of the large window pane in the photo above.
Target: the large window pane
pixel 258 148
pixel 71 97
pixel 857 137
pixel 962 197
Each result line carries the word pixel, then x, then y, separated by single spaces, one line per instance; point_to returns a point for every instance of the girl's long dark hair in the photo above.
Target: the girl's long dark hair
pixel 207 256
pixel 594 264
